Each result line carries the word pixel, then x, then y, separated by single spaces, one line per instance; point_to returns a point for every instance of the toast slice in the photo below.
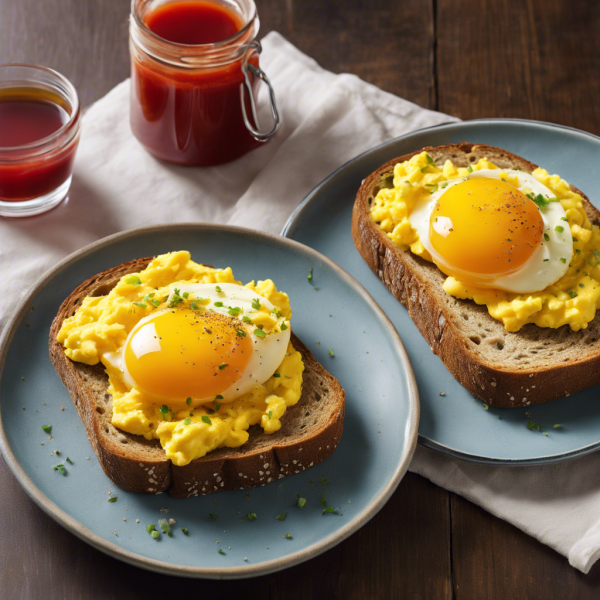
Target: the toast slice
pixel 310 432
pixel 504 369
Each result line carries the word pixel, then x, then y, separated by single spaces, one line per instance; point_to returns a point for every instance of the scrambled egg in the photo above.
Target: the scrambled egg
pixel 572 300
pixel 100 327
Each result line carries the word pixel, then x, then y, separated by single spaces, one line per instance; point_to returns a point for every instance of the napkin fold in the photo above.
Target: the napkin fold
pixel 327 120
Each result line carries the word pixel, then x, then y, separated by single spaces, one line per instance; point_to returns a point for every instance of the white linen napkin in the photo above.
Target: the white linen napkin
pixel 327 120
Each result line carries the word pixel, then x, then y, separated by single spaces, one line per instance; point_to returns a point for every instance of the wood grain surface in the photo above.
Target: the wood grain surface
pixel 536 59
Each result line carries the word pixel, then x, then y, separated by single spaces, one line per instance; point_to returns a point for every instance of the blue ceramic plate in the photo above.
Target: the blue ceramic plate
pixel 380 427
pixel 456 424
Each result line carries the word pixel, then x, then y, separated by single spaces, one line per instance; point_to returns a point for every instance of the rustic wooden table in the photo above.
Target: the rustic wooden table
pixel 538 59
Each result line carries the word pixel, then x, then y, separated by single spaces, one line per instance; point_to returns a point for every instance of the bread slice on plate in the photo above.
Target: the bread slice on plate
pixel 310 432
pixel 505 369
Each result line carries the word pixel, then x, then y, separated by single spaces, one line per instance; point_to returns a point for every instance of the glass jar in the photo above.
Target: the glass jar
pixel 193 104
pixel 40 119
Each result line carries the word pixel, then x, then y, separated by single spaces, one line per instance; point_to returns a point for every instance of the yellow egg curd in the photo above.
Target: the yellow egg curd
pixel 572 300
pixel 101 325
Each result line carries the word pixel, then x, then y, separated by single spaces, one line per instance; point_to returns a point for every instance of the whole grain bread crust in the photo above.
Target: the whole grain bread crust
pixel 531 366
pixel 310 432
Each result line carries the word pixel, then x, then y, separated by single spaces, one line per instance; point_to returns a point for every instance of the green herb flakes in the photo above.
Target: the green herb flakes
pixel 572 294
pixel 188 401
pixel 150 527
pixel 546 237
pixel 155 535
pixel 301 502
pixel 251 516
pixel 222 366
pixel 218 289
pixel 470 169
pixel 256 304
pixel 324 481
pixel 276 374
pixel 212 517
pixel 563 260
pixel 532 425
pixel 234 311
pixel 140 304
pixel 218 304
pixel 69 461
pixel 287 536
pixel 185 531
pixel 240 332
pixel 206 420
pixel 486 406
pixel 559 228
pixel 47 428
pixel 270 415
pixel 283 327
pixel 186 295
pixel 540 200
pixel 133 280
pixel 187 421
pixel 113 499
pixel 557 426
pixel 330 353
pixel 429 159
pixel 246 319
pixel 260 333
pixel 281 516
pixel 164 411
pixel 60 468
pixel 222 552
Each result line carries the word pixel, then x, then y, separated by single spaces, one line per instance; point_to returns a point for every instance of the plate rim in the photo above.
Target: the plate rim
pixel 243 571
pixel 291 223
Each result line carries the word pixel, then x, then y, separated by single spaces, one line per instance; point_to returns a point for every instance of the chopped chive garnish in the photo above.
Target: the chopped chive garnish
pixel 155 534
pixel 246 319
pixel 432 188
pixel 309 276
pixel 218 304
pixel 557 426
pixel 573 294
pixel 141 304
pixel 429 159
pixel 281 516
pixel 156 303
pixel 283 327
pixel 47 428
pixel 256 304
pixel 329 509
pixel 240 332
pixel 540 200
pixel 563 260
pixel 188 401
pixel 260 333
pixel 150 528
pixel 57 452
pixel 113 499
pixel 69 461
pixel 424 169
pixel 546 237
pixel 575 239
pixel 212 517
pixel 222 366
pixel 270 414
pixel 276 374
pixel 185 295
pixel 301 502
pixel 133 280
pixel 559 228
pixel 251 516
pixel 532 425
pixel 546 260
pixel 581 285
pixel 330 353
pixel 164 411
pixel 187 421
pixel 206 419
pixel 60 468
pixel 221 551
pixel 287 536
pixel 234 311
pixel 217 405
pixel 486 406
pixel 563 219
pixel 185 531
pixel 218 397
pixel 470 169
pixel 218 289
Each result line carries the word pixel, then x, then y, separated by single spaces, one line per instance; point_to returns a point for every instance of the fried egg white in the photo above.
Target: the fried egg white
pixel 487 231
pixel 209 349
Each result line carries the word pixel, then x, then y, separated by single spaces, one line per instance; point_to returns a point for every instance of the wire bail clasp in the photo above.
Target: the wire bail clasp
pixel 247 86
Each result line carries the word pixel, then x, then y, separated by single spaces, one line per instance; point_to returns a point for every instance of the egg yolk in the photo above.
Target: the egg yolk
pixel 484 226
pixel 183 353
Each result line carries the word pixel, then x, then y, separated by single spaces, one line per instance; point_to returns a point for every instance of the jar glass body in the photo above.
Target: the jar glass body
pixel 186 101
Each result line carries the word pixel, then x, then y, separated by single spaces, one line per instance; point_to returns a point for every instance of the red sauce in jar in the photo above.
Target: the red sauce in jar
pixel 28 115
pixel 190 116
